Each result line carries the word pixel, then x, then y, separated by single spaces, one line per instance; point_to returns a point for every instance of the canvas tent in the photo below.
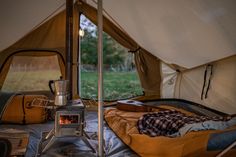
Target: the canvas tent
pixel 185 35
pixel 183 49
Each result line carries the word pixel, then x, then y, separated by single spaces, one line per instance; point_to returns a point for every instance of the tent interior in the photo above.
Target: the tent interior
pixel 185 58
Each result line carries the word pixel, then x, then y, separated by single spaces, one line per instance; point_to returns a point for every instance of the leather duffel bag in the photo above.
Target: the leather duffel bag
pixel 19 110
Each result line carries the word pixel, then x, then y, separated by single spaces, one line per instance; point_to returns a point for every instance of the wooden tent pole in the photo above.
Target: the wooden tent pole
pixel 69 44
pixel 100 81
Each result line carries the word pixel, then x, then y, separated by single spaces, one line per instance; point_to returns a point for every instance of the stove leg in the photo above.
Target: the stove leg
pixel 86 135
pixel 88 143
pixel 49 144
pixel 51 133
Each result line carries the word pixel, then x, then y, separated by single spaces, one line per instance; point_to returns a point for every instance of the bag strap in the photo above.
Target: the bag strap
pixel 23 109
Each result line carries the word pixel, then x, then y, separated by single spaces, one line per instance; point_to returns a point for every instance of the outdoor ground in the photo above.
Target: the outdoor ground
pixel 117 85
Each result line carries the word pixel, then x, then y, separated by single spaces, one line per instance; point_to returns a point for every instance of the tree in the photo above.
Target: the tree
pixel 89 48
pixel 114 53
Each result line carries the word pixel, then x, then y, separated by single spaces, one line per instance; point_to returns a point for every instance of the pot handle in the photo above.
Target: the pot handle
pixel 50 86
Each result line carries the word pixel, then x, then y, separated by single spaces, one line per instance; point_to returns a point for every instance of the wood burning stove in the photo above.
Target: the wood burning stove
pixel 69 120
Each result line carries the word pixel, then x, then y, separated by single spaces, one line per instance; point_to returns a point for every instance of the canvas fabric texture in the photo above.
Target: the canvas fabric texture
pixel 47 39
pixel 186 33
pixel 221 94
pixel 168 77
pixel 50 37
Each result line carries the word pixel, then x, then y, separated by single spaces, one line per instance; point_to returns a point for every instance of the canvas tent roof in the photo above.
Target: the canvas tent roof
pixel 185 32
pixel 188 33
pixel 19 18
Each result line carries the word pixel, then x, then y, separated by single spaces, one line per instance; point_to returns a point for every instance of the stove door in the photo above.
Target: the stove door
pixel 69 123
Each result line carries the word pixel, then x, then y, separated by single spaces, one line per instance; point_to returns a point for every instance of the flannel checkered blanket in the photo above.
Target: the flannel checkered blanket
pixel 168 122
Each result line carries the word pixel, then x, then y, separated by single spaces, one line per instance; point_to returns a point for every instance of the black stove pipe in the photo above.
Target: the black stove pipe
pixel 69 45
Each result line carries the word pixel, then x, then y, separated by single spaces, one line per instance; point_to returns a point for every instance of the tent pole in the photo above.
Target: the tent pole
pixel 79 59
pixel 100 81
pixel 69 44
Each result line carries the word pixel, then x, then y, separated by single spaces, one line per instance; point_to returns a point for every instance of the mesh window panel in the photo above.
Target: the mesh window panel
pixel 31 73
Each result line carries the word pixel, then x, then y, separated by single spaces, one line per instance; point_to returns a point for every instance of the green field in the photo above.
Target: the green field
pixel 117 85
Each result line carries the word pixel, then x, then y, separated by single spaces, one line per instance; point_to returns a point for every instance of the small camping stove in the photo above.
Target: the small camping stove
pixel 69 122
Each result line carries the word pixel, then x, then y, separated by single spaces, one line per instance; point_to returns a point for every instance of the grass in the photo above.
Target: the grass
pixel 29 81
pixel 117 85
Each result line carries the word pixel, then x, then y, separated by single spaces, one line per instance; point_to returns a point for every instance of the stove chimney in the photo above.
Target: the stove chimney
pixel 69 45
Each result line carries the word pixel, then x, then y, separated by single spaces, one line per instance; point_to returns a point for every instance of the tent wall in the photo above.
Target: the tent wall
pixel 49 37
pixel 222 92
pixel 19 17
pixel 169 77
pixel 34 53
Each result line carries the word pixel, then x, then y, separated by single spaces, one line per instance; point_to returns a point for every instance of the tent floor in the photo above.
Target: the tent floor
pixel 72 146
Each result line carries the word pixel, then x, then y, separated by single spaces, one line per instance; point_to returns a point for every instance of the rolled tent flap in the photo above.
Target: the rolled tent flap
pixel 148 68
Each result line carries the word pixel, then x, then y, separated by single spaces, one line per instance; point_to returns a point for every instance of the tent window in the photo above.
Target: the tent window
pixel 120 76
pixel 31 73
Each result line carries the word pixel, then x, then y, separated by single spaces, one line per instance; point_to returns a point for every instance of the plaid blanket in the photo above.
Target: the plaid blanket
pixel 168 122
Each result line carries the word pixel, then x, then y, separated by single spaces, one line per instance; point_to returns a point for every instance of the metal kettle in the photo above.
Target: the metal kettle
pixel 61 91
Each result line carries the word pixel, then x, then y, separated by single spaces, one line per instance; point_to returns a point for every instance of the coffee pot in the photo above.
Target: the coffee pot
pixel 60 91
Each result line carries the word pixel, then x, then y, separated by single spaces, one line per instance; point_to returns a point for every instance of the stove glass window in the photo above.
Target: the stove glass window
pixel 69 119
